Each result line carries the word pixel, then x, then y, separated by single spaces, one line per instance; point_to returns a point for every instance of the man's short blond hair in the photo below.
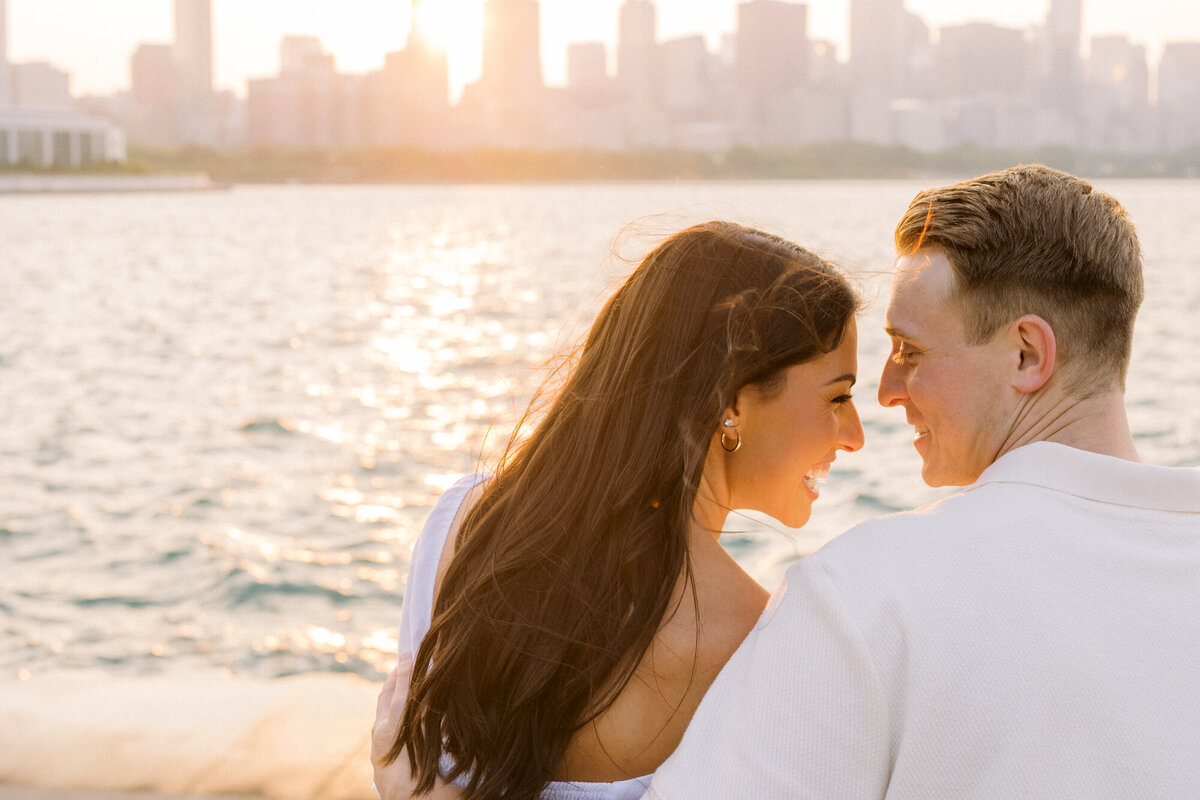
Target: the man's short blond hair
pixel 1034 240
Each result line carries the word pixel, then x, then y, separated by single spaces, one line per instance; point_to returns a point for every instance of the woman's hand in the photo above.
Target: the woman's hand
pixel 394 781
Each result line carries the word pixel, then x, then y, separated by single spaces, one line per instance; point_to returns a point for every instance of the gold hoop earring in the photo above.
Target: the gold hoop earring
pixel 736 446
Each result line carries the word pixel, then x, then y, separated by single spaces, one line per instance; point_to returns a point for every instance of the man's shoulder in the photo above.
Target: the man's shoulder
pixel 988 503
pixel 948 534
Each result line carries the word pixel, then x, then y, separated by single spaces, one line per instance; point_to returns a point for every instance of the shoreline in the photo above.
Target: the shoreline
pixel 33 184
pixel 85 183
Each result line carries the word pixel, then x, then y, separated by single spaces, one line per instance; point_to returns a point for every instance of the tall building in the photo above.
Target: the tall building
pixel 1116 96
pixel 1179 95
pixel 38 85
pixel 511 74
pixel 428 85
pixel 877 48
pixel 194 71
pixel 155 117
pixel 1118 73
pixel 582 113
pixel 194 45
pixel 919 52
pixel 771 65
pixel 772 52
pixel 877 72
pixel 685 69
pixel 308 105
pixel 639 85
pixel 980 59
pixel 637 53
pixel 303 55
pixel 6 97
pixel 1062 65
pixel 408 101
pixel 587 67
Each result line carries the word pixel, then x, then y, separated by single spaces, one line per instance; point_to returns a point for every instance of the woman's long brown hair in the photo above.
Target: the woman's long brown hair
pixel 566 566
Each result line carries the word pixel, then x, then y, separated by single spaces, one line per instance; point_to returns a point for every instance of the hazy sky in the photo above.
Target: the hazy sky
pixel 93 40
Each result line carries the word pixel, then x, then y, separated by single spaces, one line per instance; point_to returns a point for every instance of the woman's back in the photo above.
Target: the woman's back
pixel 636 733
pixel 643 726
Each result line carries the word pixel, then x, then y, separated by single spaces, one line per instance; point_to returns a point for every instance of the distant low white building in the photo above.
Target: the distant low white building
pixel 50 138
pixel 39 126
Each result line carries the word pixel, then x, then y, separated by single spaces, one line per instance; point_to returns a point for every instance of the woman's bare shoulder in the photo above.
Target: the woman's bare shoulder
pixel 710 616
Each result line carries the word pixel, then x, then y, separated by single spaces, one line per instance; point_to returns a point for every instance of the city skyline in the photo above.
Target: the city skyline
pixel 360 32
pixel 768 83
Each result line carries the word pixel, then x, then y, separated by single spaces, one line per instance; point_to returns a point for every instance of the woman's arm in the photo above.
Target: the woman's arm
pixel 393 781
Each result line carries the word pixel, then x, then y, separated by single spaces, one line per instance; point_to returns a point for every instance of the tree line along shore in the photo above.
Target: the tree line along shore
pixel 836 160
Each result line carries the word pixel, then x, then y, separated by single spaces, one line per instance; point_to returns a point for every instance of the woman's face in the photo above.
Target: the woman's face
pixel 791 434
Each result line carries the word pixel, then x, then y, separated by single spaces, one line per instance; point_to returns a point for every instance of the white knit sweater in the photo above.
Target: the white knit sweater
pixel 1034 636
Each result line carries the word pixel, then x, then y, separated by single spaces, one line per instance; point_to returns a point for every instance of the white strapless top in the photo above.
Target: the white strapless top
pixel 417 613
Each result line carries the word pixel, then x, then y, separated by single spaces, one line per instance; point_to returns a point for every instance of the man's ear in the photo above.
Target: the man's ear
pixel 1037 352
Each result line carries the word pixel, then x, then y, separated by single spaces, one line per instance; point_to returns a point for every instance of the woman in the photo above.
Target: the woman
pixel 583 602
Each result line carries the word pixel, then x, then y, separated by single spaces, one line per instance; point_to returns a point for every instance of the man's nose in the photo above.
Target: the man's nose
pixel 891 385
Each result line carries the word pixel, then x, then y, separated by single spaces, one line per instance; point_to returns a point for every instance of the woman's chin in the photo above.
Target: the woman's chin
pixel 796 517
pixel 799 522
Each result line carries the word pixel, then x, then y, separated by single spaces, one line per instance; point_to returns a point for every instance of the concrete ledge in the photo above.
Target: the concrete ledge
pixel 79 735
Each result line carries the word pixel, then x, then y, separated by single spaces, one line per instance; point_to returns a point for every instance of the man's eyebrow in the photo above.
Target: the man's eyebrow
pixel 896 333
pixel 847 377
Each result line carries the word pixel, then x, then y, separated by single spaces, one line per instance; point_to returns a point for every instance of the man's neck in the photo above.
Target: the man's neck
pixel 1097 424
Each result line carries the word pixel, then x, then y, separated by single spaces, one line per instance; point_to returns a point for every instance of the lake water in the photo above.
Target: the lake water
pixel 226 414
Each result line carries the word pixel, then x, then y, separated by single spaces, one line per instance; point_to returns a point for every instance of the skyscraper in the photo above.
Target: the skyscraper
pixel 1115 98
pixel 637 52
pixel 155 121
pixel 877 48
pixel 1119 73
pixel 428 79
pixel 772 46
pixel 587 66
pixel 42 86
pixel 5 69
pixel 410 97
pixel 1179 95
pixel 772 54
pixel 1062 63
pixel 194 70
pixel 685 68
pixel 511 75
pixel 877 67
pixel 981 59
pixel 194 45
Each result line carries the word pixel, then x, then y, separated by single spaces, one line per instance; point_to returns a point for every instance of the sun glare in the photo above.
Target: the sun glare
pixel 445 24
pixel 456 28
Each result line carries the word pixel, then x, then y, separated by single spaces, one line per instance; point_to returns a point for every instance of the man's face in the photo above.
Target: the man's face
pixel 953 393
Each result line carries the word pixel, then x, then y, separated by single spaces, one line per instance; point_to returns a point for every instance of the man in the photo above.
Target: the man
pixel 1035 635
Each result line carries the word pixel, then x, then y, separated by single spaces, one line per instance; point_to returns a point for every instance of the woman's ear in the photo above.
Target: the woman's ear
pixel 732 412
pixel 1037 352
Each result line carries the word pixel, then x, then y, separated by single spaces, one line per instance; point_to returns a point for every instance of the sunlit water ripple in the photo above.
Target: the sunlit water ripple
pixel 226 414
